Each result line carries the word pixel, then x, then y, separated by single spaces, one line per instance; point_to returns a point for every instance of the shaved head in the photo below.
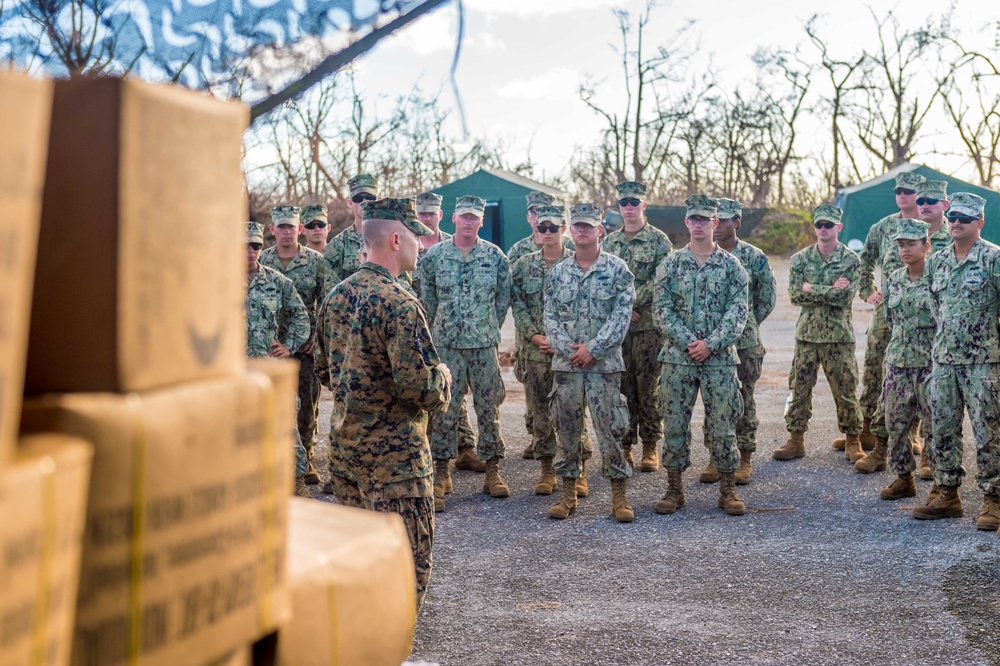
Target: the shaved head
pixel 377 232
pixel 391 244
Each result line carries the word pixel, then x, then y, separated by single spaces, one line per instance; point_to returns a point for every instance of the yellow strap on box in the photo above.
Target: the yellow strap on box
pixel 47 477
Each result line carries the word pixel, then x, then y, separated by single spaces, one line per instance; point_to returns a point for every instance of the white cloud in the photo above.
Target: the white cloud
pixel 523 8
pixel 560 84
pixel 436 33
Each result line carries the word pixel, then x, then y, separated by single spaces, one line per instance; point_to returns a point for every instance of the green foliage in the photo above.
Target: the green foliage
pixel 783 232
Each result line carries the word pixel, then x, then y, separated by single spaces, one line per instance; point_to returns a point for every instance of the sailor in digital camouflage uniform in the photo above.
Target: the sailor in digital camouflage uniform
pixel 307 271
pixel 342 252
pixel 965 375
pixel 523 247
pixel 428 207
pixel 465 286
pixel 316 226
pixel 700 305
pixel 822 281
pixel 277 325
pixel 377 357
pixel 642 246
pixel 750 347
pixel 588 301
pixel 880 252
pixel 906 293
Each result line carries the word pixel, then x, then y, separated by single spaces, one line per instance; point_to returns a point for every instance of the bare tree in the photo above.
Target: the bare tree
pixel 974 109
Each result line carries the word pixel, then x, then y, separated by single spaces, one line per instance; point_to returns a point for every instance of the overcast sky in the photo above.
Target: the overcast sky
pixel 522 61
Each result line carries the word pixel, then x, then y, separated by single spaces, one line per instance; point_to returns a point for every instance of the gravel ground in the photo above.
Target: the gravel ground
pixel 819 571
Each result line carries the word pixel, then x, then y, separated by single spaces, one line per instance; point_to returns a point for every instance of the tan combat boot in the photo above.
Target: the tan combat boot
pixel 852 449
pixel 312 476
pixel 301 489
pixel 619 502
pixel 649 463
pixel 628 455
pixel 924 471
pixel 876 461
pixel 729 501
pixel 902 487
pixel 709 474
pixel 945 504
pixel 866 437
pixel 989 517
pixel 468 460
pixel 674 499
pixel 795 447
pixel 566 506
pixel 442 482
pixel 839 443
pixel 744 472
pixel 493 484
pixel 528 453
pixel 547 483
pixel 582 489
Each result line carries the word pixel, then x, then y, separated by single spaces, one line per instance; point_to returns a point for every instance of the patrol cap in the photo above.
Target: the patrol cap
pixel 729 208
pixel 910 229
pixel 631 188
pixel 314 212
pixel 700 204
pixel 827 212
pixel 909 179
pixel 400 210
pixel 470 204
pixel 537 198
pixel 364 182
pixel 586 213
pixel 554 214
pixel 255 232
pixel 968 204
pixel 284 215
pixel 428 202
pixel 935 189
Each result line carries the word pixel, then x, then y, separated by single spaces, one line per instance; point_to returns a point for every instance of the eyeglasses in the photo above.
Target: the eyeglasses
pixel 699 221
pixel 549 228
pixel 255 246
pixel 315 224
pixel 962 219
pixel 629 201
pixel 903 190
pixel 363 196
pixel 824 224
pixel 922 201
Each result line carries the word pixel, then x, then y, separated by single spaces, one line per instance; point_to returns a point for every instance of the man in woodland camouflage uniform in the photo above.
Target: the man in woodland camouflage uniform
pixel 377 357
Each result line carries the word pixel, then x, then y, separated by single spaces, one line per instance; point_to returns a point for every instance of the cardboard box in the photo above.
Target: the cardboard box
pixel 353 587
pixel 25 105
pixel 184 555
pixel 43 499
pixel 141 280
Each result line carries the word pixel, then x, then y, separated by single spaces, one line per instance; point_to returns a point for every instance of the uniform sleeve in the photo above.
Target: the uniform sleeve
pixel 334 262
pixel 323 282
pixel 664 316
pixel 929 268
pixel 416 367
pixel 765 290
pixel 887 289
pixel 735 319
pixel 796 276
pixel 295 313
pixel 644 294
pixel 558 337
pixel 428 286
pixel 502 299
pixel 321 352
pixel 829 295
pixel 519 307
pixel 612 333
pixel 869 259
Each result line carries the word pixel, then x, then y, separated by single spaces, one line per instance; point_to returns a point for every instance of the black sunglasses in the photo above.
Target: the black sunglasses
pixel 255 246
pixel 824 224
pixel 315 224
pixel 549 228
pixel 364 196
pixel 629 201
pixel 962 219
pixel 903 190
pixel 922 201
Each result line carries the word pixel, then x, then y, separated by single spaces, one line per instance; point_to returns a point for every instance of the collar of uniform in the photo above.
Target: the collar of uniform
pixel 377 268
pixel 300 259
pixel 475 248
pixel 642 235
pixel 971 256
pixel 836 255
pixel 712 258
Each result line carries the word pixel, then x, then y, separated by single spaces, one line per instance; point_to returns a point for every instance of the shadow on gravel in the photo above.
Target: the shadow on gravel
pixel 973 590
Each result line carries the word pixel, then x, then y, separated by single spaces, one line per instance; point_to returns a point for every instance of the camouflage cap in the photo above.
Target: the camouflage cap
pixel 934 189
pixel 729 208
pixel 828 212
pixel 968 204
pixel 586 213
pixel 537 198
pixel 470 204
pixel 631 188
pixel 364 182
pixel 910 229
pixel 284 215
pixel 428 202
pixel 700 204
pixel 553 214
pixel 909 179
pixel 255 232
pixel 400 210
pixel 314 212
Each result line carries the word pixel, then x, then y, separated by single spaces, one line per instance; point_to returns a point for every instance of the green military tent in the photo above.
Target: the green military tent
pixel 867 203
pixel 505 221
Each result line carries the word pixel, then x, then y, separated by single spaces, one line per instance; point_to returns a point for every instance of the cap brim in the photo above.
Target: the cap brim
pixel 586 220
pixel 966 212
pixel 429 208
pixel 287 223
pixel 364 190
pixel 466 211
pixel 255 239
pixel 823 218
pixel 702 212
pixel 419 228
